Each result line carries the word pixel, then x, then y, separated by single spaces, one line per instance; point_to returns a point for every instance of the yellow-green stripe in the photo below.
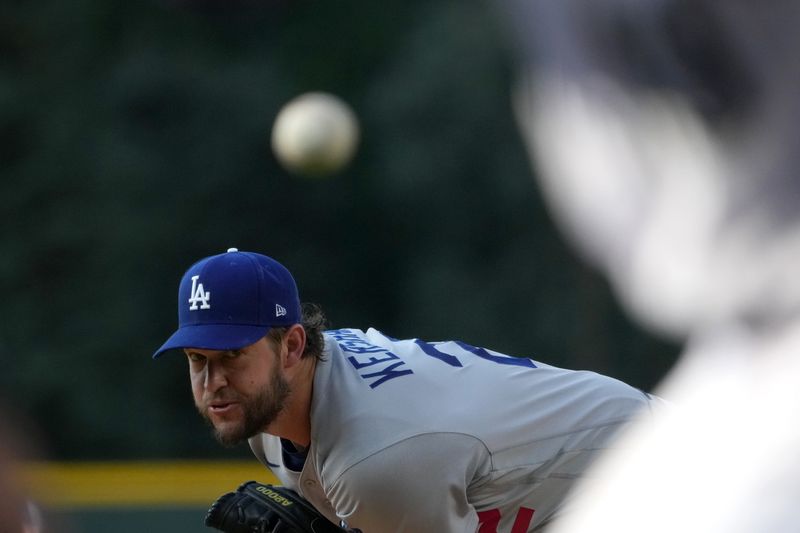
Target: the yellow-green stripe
pixel 144 484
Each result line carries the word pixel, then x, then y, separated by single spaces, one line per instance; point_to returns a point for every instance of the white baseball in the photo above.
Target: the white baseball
pixel 315 134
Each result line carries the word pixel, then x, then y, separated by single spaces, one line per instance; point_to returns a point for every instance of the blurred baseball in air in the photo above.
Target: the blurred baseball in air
pixel 315 134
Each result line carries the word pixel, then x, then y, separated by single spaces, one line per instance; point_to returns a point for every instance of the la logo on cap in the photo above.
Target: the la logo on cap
pixel 199 295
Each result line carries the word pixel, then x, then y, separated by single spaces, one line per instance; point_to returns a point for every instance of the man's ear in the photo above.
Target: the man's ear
pixel 295 342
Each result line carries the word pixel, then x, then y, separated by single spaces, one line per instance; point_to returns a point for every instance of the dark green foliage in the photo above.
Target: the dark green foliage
pixel 134 140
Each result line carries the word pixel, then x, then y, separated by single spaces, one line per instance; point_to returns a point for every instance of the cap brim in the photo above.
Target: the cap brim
pixel 213 337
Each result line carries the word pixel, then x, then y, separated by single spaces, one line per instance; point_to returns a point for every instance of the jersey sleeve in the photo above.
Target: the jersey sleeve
pixel 418 484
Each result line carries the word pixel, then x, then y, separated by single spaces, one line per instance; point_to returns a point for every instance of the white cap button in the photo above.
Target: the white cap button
pixel 233 250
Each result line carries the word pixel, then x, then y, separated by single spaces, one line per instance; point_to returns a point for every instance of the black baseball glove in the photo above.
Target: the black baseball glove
pixel 259 508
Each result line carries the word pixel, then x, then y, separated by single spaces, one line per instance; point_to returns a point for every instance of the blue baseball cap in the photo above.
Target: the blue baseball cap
pixel 231 300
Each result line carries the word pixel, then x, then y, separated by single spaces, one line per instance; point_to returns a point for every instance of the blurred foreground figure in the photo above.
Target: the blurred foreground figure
pixel 666 136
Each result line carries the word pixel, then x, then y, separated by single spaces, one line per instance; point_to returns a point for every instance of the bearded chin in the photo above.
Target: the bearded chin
pixel 260 410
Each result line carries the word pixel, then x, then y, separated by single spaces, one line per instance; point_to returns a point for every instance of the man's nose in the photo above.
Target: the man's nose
pixel 216 377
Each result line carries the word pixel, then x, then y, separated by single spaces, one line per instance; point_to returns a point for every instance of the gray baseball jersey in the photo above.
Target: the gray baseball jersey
pixel 417 436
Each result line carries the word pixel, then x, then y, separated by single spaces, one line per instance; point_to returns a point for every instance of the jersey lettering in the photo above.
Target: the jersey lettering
pixel 368 355
pixel 386 374
pixel 385 365
pixel 490 519
pixel 431 350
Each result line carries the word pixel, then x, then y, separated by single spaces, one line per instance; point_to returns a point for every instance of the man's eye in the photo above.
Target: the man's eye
pixel 196 357
pixel 233 354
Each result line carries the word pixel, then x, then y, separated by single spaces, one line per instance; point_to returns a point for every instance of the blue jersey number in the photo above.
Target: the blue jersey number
pixel 431 350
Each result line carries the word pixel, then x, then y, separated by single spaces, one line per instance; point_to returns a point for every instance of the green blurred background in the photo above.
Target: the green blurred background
pixel 134 139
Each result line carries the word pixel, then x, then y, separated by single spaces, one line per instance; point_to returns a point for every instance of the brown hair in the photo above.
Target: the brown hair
pixel 314 322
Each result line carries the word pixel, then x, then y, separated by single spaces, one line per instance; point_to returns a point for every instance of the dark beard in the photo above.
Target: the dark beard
pixel 259 412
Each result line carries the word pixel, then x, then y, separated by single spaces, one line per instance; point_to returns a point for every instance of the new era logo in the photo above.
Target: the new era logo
pixel 199 295
pixel 279 310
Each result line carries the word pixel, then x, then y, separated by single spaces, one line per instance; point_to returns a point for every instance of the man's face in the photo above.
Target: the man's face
pixel 240 392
